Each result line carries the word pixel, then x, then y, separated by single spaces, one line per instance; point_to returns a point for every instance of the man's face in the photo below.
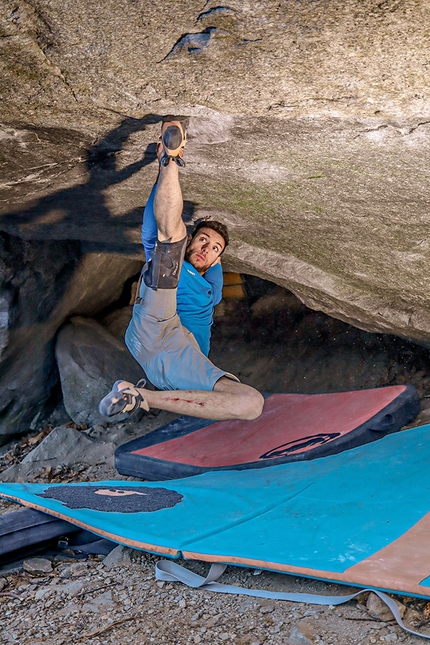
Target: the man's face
pixel 204 249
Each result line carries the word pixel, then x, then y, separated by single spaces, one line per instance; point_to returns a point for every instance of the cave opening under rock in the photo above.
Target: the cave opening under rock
pixel 266 336
pixel 275 342
pixel 262 333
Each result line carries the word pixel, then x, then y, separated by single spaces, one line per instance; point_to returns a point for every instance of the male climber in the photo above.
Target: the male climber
pixel 175 359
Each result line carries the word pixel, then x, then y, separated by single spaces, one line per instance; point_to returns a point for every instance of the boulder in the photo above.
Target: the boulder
pixel 98 281
pixel 63 446
pixel 116 321
pixel 309 136
pixel 68 448
pixel 90 360
pixel 33 276
pixel 41 284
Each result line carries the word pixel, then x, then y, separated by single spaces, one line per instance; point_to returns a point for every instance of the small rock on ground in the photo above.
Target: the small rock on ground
pixel 37 565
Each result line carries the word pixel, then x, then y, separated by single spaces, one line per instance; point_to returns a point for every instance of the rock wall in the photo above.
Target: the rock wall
pixel 33 276
pixel 309 136
pixel 42 284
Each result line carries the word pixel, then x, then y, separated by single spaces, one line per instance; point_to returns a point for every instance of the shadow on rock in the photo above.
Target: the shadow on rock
pixel 47 277
pixel 81 211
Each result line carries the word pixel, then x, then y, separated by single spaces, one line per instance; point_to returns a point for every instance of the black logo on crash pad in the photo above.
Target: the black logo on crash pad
pixel 114 499
pixel 300 445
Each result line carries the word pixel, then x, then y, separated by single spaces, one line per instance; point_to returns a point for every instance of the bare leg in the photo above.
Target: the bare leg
pixel 168 205
pixel 228 400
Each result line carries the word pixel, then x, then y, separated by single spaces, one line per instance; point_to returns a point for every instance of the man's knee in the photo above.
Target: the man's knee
pixel 247 404
pixel 164 267
pixel 253 404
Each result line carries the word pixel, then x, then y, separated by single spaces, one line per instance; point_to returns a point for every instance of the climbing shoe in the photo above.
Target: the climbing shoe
pixel 126 400
pixel 173 138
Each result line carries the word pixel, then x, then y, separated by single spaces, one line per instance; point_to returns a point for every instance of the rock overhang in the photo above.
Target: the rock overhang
pixel 308 137
pixel 317 205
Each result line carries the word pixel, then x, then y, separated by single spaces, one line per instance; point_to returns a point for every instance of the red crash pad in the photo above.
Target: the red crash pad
pixel 292 427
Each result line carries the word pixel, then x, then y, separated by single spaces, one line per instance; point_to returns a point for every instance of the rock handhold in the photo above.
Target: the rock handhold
pixel 215 11
pixel 192 43
pixel 90 360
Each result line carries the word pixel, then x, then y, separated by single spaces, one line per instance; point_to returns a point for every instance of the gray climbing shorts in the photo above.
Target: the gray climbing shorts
pixel 168 353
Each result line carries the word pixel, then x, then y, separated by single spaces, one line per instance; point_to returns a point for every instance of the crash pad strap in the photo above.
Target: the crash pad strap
pixel 169 571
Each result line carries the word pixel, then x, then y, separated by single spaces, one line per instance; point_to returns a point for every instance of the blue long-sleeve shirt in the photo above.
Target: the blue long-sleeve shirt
pixel 197 295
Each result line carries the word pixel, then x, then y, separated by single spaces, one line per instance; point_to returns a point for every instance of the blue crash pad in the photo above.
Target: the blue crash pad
pixel 359 517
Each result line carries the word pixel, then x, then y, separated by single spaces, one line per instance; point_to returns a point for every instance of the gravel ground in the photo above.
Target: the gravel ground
pixel 98 603
pixel 91 602
pixel 117 599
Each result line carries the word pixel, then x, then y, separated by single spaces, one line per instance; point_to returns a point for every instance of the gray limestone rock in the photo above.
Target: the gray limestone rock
pixel 119 556
pixel 90 360
pixel 62 447
pixel 37 565
pixel 309 136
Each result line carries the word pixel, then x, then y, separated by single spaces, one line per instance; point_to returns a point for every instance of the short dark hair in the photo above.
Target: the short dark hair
pixel 219 227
